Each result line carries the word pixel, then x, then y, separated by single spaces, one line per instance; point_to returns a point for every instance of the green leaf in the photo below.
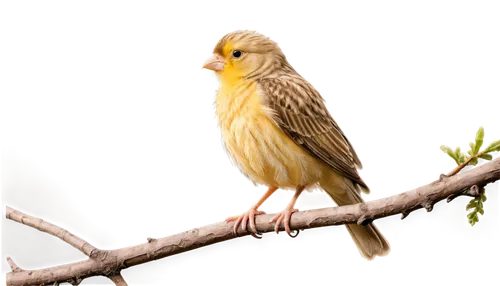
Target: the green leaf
pixel 486 156
pixel 480 134
pixel 475 209
pixel 457 152
pixel 494 146
pixel 445 148
pixel 479 138
pixel 484 195
pixel 471 146
pixel 450 153
pixel 462 158
pixel 478 145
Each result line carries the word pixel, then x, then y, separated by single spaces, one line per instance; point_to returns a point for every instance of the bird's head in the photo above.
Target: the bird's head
pixel 246 54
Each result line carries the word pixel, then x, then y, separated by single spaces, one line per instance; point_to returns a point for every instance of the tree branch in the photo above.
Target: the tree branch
pixel 73 240
pixel 110 262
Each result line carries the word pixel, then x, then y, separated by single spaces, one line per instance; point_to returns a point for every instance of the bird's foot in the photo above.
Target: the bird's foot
pixel 246 218
pixel 285 217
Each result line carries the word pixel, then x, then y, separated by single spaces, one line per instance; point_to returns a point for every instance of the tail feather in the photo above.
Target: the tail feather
pixel 368 239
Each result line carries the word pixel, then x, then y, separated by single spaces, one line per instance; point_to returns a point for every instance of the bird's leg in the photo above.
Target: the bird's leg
pixel 248 217
pixel 286 214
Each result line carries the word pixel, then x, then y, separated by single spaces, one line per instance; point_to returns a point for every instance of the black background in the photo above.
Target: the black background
pixel 116 110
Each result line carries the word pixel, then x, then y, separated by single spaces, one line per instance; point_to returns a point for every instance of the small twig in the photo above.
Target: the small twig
pixel 404 214
pixel 118 280
pixel 464 164
pixel 80 243
pixel 459 167
pixel 473 191
pixel 449 199
pixel 49 228
pixel 428 206
pixel 13 265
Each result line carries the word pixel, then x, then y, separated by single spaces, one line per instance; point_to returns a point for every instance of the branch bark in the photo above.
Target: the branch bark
pixel 110 262
pixel 13 265
pixel 73 240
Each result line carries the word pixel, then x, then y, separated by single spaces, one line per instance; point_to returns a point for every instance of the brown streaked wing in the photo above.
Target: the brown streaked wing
pixel 300 112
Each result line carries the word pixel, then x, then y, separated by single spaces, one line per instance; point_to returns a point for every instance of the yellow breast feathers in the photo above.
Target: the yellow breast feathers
pixel 256 144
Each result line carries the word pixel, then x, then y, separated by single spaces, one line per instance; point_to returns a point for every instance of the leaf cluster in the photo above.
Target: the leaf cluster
pixel 476 205
pixel 473 154
pixel 478 148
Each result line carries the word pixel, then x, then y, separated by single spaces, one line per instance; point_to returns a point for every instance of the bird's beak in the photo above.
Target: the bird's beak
pixel 215 63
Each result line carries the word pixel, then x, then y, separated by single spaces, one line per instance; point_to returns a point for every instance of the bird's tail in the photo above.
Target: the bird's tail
pixel 369 241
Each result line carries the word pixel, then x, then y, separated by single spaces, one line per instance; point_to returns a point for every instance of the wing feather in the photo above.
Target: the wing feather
pixel 298 109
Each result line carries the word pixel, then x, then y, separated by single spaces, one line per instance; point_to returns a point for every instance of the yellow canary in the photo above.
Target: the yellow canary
pixel 277 130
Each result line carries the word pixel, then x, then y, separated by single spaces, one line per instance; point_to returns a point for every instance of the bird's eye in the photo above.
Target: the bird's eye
pixel 237 54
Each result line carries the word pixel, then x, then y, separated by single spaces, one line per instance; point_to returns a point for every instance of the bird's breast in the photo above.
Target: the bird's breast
pixel 256 144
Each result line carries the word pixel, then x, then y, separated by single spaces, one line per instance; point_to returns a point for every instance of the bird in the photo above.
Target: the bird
pixel 277 130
